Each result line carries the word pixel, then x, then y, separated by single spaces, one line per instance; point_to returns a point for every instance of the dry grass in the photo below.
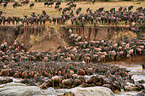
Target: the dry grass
pixel 122 35
pixel 47 45
pixel 25 10
pixel 34 39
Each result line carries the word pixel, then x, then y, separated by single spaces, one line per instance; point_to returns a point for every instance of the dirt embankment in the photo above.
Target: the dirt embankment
pixel 42 38
pixel 35 38
pixel 7 34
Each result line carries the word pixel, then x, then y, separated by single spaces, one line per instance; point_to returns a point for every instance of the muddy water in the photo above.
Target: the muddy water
pixel 136 70
pixel 138 74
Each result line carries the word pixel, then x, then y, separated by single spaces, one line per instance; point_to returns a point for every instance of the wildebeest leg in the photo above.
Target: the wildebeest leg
pixel 143 52
pixel 96 31
pixel 35 30
pixel 143 65
pixel 83 30
pixel 89 32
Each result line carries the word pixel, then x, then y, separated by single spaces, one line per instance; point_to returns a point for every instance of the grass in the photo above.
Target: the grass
pixel 34 39
pixel 122 35
pixel 138 2
pixel 51 11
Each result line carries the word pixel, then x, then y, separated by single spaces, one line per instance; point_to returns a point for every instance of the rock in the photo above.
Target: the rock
pixel 92 91
pixel 141 93
pixel 5 80
pixel 17 80
pixel 50 91
pixel 17 89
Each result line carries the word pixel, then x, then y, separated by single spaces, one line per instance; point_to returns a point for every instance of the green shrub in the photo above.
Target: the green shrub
pixel 138 2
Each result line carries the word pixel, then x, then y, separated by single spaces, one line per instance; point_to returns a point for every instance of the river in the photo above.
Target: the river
pixel 138 74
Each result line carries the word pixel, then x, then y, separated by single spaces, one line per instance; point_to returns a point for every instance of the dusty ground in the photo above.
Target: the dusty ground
pixel 48 45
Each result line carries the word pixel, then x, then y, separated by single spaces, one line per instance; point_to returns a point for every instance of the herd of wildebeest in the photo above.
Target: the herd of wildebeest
pixel 69 66
pixel 101 16
pixel 80 64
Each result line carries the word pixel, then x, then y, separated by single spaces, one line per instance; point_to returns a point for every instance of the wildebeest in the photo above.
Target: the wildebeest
pixel 15 4
pixel 31 5
pixel 78 10
pixel 1 1
pixel 139 8
pixel 93 1
pixel 130 7
pixel 5 4
pixel 48 3
pixel 100 9
pixel 58 3
pixel 112 10
pixel 73 5
pixel 120 9
pixel 1 13
pixel 56 6
pixel 43 12
pixel 25 2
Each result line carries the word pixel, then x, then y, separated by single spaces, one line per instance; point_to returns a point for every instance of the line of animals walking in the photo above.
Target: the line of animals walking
pixel 100 16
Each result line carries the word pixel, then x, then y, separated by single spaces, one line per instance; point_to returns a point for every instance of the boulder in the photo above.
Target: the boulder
pixel 18 89
pixel 91 91
pixel 141 93
pixel 5 80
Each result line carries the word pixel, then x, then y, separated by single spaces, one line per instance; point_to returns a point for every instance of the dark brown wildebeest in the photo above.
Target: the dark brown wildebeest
pixel 31 5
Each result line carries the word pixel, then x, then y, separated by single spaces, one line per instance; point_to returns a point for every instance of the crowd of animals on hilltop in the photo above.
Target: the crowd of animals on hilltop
pixel 123 14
